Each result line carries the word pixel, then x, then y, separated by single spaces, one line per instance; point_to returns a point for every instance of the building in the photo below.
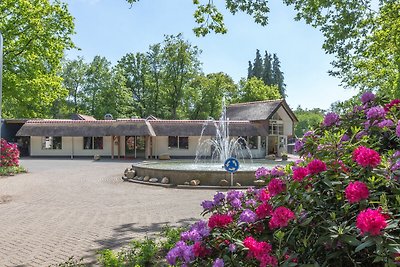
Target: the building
pixel 265 125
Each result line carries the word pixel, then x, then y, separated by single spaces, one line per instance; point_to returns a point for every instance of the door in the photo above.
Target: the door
pixel 135 146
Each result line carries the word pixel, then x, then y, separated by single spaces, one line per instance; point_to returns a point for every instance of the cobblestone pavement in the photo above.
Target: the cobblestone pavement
pixel 64 208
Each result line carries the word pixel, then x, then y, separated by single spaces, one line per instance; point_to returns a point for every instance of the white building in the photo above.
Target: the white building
pixel 266 125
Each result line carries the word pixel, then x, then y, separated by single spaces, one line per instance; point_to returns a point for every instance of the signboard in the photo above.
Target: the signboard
pixel 231 165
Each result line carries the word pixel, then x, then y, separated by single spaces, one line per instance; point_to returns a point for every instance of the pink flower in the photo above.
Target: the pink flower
pixel 264 196
pixel 371 221
pixel 200 251
pixel 316 166
pixel 219 220
pixel 299 173
pixel 281 217
pixel 260 251
pixel 366 157
pixel 356 191
pixel 263 210
pixel 276 186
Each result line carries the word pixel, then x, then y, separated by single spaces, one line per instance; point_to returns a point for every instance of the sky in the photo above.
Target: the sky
pixel 112 28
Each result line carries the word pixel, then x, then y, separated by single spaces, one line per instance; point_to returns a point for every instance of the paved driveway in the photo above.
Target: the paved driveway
pixel 66 207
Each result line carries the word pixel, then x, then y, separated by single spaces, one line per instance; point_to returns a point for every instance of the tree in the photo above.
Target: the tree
pixel 210 19
pixel 258 66
pixel 364 37
pixel 36 34
pixel 204 94
pixel 267 69
pixel 136 70
pixel 74 79
pixel 254 89
pixel 277 76
pixel 250 71
pixel 308 120
pixel 181 64
pixel 115 99
pixel 98 79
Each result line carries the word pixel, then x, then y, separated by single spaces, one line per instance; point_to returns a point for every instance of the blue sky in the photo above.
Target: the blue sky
pixel 111 28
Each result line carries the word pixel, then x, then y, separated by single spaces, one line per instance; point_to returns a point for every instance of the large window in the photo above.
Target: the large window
pixel 179 142
pixel 52 142
pixel 250 141
pixel 90 142
pixel 253 142
pixel 276 129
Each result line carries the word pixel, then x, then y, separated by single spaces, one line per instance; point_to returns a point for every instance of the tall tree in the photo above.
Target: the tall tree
pixel 156 76
pixel 267 69
pixel 254 89
pixel 115 99
pixel 98 79
pixel 136 70
pixel 203 95
pixel 74 79
pixel 250 71
pixel 181 64
pixel 36 34
pixel 258 66
pixel 277 76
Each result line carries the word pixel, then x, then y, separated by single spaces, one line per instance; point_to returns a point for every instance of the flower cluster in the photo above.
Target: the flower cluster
pixel 356 191
pixel 366 157
pixel 371 221
pixel 9 154
pixel 336 206
pixel 260 251
pixel 331 119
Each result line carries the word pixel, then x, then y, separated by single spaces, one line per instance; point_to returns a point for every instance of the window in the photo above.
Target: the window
pixel 90 142
pixel 52 142
pixel 275 129
pixel 179 142
pixel 253 142
pixel 250 141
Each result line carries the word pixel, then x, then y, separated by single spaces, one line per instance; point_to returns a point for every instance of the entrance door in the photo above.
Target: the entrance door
pixel 135 146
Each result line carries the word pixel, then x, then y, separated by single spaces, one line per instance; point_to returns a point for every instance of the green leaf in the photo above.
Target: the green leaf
pixel 367 243
pixel 351 240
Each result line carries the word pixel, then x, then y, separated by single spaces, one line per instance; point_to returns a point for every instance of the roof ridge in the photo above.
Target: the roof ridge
pixel 256 102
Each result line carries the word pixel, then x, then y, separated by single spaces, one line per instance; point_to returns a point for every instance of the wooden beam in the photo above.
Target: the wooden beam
pixel 112 146
pixel 119 146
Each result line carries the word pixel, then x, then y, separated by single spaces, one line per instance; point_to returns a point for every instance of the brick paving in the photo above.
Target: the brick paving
pixel 64 208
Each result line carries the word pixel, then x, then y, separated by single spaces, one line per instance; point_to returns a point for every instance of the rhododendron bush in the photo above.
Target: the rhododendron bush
pixel 337 206
pixel 9 154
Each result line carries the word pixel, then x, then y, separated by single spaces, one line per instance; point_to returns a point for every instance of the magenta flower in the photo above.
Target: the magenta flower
pixel 366 157
pixel 316 166
pixel 299 173
pixel 276 186
pixel 385 123
pixel 371 221
pixel 280 218
pixel 356 191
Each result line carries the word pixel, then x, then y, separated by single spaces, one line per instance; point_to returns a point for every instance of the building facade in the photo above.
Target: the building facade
pixel 265 125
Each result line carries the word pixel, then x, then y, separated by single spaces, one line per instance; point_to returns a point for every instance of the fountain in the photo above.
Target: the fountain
pixel 210 157
pixel 222 146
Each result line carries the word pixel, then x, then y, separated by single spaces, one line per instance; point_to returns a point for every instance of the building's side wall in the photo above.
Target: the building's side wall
pixel 287 122
pixel 160 146
pixel 71 146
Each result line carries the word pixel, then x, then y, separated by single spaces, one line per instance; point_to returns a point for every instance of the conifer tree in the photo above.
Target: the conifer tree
pixel 267 69
pixel 250 70
pixel 277 76
pixel 258 65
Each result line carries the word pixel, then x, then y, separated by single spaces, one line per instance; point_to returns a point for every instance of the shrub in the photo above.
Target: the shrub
pixel 337 206
pixel 9 154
